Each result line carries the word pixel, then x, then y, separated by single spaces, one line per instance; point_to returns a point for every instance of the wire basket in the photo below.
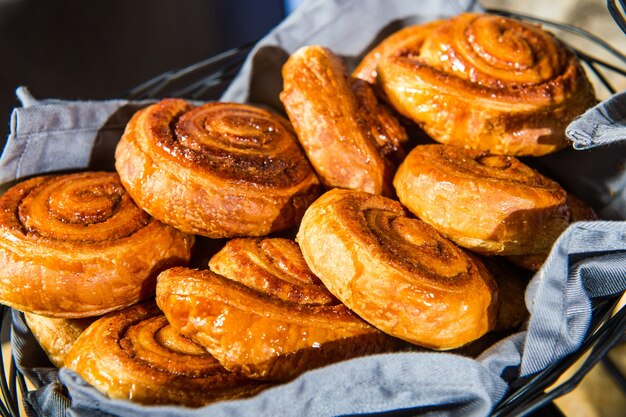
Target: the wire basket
pixel 206 80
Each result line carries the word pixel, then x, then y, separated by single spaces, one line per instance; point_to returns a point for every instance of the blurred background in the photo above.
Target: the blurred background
pixel 75 49
pixel 95 50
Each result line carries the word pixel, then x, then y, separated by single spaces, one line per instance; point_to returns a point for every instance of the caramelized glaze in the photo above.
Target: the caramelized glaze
pixel 352 140
pixel 484 82
pixel 270 319
pixel 77 245
pixel 134 354
pixel 217 170
pixel 397 272
pixel 492 204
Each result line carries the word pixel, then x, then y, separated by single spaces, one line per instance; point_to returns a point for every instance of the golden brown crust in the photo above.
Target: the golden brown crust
pixel 259 332
pixel 134 354
pixel 492 204
pixel 483 82
pixel 217 170
pixel 579 211
pixel 274 266
pixel 77 246
pixel 56 336
pixel 367 69
pixel 351 139
pixel 397 272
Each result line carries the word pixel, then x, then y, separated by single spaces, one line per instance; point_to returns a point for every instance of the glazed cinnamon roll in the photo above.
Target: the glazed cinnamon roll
pixel 217 170
pixel 77 245
pixel 271 319
pixel 352 140
pixel 397 272
pixel 56 336
pixel 483 82
pixel 492 204
pixel 135 354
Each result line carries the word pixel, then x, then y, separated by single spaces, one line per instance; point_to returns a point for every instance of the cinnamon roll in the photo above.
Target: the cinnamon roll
pixel 397 272
pixel 135 354
pixel 492 204
pixel 352 140
pixel 56 336
pixel 483 82
pixel 77 245
pixel 271 319
pixel 217 170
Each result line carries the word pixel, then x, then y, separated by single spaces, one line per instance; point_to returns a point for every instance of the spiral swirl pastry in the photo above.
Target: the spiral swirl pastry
pixel 492 204
pixel 217 170
pixel 397 272
pixel 135 354
pixel 483 82
pixel 260 327
pixel 77 245
pixel 352 140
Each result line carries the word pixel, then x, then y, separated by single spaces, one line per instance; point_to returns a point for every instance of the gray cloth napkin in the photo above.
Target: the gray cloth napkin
pixel 588 260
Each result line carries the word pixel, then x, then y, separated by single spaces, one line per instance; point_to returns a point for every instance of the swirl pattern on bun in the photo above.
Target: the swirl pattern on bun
pixel 135 354
pixel 483 82
pixel 492 204
pixel 397 272
pixel 217 170
pixel 77 245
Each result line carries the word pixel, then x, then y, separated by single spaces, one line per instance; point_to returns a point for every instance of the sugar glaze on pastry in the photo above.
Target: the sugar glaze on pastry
pixel 483 82
pixel 352 139
pixel 269 317
pixel 77 245
pixel 397 272
pixel 217 170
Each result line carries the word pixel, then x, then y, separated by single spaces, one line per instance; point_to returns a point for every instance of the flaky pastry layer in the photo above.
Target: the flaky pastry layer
pixel 352 140
pixel 76 245
pixel 134 354
pixel 483 82
pixel 397 272
pixel 492 204
pixel 217 170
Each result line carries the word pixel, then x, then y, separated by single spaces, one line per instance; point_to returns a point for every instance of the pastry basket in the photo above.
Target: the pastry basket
pixel 532 395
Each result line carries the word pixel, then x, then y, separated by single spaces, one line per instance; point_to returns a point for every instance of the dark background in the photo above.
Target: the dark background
pixel 75 49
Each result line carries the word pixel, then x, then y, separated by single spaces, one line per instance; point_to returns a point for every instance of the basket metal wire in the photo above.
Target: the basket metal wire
pixel 206 80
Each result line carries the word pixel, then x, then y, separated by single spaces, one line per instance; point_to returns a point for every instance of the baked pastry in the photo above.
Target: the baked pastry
pixel 135 354
pixel 76 245
pixel 491 204
pixel 273 266
pixel 483 82
pixel 217 170
pixel 351 139
pixel 56 336
pixel 397 272
pixel 275 323
pixel 579 211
